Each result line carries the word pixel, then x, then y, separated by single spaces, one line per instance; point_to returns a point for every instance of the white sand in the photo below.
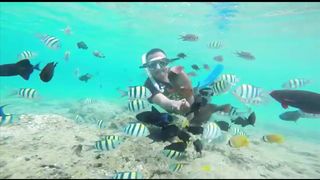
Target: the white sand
pixel 37 141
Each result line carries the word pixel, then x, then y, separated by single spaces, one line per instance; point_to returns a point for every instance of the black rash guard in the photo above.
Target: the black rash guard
pixel 148 84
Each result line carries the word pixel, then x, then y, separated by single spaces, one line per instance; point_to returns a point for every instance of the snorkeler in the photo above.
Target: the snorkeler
pixel 172 89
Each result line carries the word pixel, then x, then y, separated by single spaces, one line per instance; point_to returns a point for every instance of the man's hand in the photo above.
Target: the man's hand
pixel 183 106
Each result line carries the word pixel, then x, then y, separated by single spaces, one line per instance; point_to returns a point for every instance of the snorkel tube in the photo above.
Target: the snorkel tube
pixel 211 77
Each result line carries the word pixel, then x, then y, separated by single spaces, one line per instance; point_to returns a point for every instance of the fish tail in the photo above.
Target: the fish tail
pixel 37 67
pixel 39 35
pixel 122 92
pixel 1 109
pixel 89 147
pixel 13 93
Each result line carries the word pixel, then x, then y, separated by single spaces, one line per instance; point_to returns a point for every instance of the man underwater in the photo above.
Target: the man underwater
pixel 172 90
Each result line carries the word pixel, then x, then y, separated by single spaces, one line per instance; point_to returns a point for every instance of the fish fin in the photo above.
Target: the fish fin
pixel 1 109
pixel 13 93
pixel 122 92
pixel 37 67
pixel 24 68
pixel 284 105
pixel 153 109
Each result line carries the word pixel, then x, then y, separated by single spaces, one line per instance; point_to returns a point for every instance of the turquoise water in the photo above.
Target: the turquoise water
pixel 284 38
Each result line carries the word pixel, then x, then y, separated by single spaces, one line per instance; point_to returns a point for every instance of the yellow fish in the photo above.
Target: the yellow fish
pixel 185 123
pixel 273 138
pixel 238 141
pixel 206 168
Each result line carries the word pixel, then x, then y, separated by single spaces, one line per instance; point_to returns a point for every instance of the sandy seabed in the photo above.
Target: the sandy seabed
pixel 43 145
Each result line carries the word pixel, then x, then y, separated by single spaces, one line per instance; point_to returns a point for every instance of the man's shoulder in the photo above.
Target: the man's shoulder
pixel 147 82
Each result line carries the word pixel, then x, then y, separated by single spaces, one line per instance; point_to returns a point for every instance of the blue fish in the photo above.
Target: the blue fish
pixel 1 110
pixel 5 117
pixel 154 117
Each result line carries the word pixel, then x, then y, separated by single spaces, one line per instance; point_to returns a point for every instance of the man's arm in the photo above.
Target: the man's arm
pixel 171 106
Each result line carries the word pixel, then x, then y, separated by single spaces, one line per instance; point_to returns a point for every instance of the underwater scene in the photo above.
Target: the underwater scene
pixel 155 90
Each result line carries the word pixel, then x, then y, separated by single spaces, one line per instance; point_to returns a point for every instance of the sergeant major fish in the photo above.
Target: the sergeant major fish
pixel 128 175
pixel 249 92
pixel 136 130
pixel 49 41
pixel 28 93
pixel 215 44
pixel 296 83
pixel 136 92
pixel 26 55
pixel 220 87
pixel 175 167
pixel 107 144
pixel 211 131
pixel 137 105
pixel 230 78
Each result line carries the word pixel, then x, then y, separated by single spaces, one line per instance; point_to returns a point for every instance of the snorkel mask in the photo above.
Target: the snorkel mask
pixel 156 63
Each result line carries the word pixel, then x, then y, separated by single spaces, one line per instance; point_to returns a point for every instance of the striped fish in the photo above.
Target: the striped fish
pixel 254 101
pixel 234 112
pixel 215 44
pixel 101 124
pixel 106 144
pixel 50 41
pixel 136 92
pixel 6 119
pixel 29 93
pixel 211 131
pixel 175 167
pixel 128 175
pixel 137 105
pixel 172 154
pixel 136 130
pixel 295 83
pixel 112 137
pixel 308 115
pixel 247 91
pixel 230 78
pixel 236 131
pixel 78 118
pixel 26 55
pixel 220 87
pixel 88 101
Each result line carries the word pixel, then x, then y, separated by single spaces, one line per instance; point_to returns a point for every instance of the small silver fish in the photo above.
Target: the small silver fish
pixel 189 37
pixel 67 55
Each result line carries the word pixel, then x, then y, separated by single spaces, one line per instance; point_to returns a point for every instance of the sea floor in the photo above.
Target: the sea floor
pixel 43 144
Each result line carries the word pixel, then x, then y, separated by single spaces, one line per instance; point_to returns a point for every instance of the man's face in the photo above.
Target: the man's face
pixel 158 65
